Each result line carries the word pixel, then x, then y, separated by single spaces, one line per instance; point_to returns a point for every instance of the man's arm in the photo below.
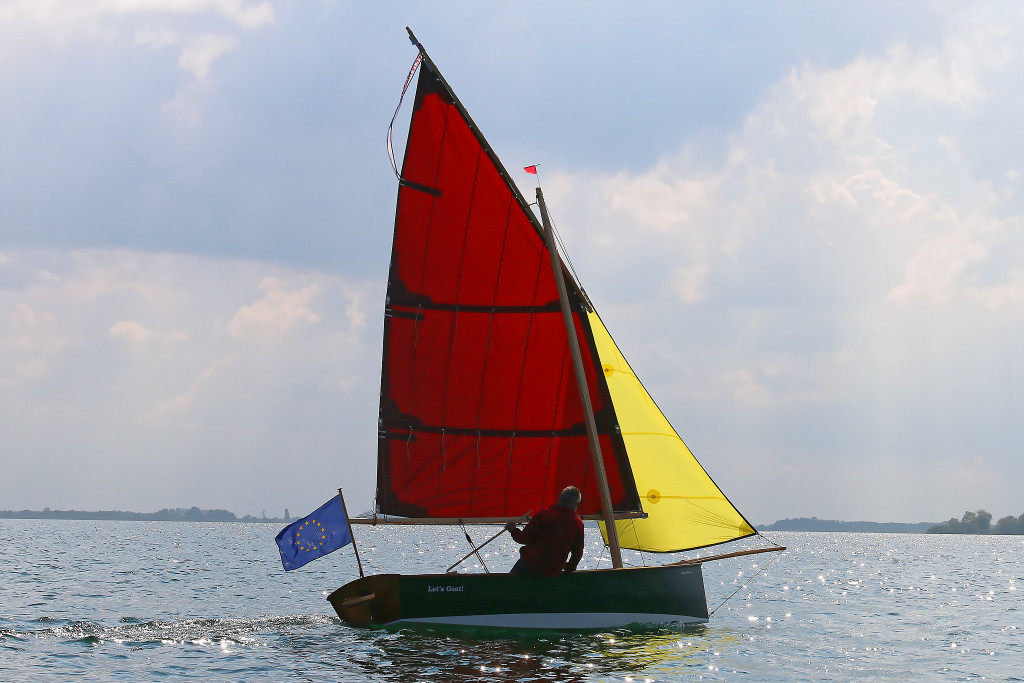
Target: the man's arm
pixel 524 535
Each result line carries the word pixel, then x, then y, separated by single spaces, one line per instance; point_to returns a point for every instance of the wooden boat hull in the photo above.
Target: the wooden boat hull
pixel 600 598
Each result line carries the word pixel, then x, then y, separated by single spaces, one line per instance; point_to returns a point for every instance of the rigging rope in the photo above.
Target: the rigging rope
pixel 408 80
pixel 565 253
pixel 476 550
pixel 751 579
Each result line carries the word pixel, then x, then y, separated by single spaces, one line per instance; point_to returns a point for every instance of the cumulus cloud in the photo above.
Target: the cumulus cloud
pixel 243 13
pixel 842 257
pixel 31 339
pixel 847 172
pixel 58 12
pixel 182 402
pixel 199 52
pixel 95 369
pixel 276 312
pixel 689 282
pixel 933 270
pixel 830 270
pixel 129 330
pixel 155 24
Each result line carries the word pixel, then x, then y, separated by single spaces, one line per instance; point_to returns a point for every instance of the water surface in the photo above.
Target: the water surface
pixel 101 600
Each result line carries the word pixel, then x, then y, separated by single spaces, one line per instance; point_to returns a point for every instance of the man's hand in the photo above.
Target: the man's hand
pixel 510 527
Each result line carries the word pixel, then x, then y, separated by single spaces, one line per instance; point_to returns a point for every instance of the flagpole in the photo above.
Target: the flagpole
pixel 533 170
pixel 354 546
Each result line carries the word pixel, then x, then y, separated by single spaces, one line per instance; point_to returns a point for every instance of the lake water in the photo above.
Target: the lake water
pixel 178 601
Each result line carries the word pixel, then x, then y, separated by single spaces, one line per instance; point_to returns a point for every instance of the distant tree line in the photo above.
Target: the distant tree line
pixel 192 514
pixel 980 522
pixel 815 524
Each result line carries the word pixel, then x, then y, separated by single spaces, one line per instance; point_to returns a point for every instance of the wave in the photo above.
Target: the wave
pixel 199 631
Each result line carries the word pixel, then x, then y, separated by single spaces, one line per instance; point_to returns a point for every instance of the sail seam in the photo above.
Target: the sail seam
pixel 575 430
pixel 551 307
pixel 466 230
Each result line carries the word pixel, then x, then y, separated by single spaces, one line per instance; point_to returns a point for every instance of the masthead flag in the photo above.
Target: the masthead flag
pixel 531 169
pixel 315 535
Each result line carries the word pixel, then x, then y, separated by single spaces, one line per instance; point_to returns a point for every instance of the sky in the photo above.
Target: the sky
pixel 802 222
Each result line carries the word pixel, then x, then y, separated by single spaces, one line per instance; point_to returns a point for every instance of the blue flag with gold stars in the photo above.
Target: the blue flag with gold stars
pixel 315 535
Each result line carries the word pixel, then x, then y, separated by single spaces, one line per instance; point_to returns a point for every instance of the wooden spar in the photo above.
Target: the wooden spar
pixel 581 382
pixel 477 548
pixel 452 521
pixel 738 553
pixel 354 546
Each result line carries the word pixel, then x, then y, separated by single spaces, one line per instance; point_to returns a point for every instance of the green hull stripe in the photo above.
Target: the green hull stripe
pixel 666 590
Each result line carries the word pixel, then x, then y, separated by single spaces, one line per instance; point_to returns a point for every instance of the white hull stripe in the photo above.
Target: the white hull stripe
pixel 558 620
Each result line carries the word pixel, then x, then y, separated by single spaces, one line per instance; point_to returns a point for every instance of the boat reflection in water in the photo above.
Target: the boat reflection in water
pixel 466 654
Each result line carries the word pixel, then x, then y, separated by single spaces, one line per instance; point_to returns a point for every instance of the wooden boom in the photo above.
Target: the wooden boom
pixel 755 551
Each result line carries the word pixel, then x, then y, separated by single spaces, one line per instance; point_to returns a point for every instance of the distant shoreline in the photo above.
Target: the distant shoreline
pixel 815 524
pixel 193 514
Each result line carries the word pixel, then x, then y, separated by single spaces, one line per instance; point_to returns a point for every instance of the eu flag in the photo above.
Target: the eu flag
pixel 315 535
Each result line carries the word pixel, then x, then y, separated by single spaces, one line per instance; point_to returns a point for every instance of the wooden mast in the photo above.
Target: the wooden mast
pixel 581 382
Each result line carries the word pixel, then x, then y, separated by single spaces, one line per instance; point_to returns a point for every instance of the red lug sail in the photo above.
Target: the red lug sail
pixel 480 415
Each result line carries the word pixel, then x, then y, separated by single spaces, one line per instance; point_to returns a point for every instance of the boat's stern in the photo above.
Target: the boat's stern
pixel 368 601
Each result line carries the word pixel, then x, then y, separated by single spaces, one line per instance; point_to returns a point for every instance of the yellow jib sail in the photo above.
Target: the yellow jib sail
pixel 685 508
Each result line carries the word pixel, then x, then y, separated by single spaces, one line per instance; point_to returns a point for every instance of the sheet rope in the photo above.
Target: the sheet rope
pixel 751 579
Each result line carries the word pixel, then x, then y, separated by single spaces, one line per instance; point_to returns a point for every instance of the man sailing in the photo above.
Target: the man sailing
pixel 550 537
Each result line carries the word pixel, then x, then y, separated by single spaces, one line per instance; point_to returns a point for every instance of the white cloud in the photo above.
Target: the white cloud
pixel 93 274
pixel 93 369
pixel 129 330
pixel 61 12
pixel 183 402
pixel 31 340
pixel 831 269
pixel 834 275
pixel 154 24
pixel 933 271
pixel 199 52
pixel 249 16
pixel 689 282
pixel 837 133
pixel 661 200
pixel 157 38
pixel 1008 296
pixel 134 332
pixel 276 312
pixel 843 103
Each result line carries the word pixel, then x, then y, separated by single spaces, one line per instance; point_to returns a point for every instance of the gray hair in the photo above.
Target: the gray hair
pixel 570 497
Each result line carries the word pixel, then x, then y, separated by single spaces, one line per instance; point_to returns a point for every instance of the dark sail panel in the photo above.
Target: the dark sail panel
pixel 480 415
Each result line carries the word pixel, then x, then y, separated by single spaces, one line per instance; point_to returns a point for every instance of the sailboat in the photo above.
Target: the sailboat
pixel 500 386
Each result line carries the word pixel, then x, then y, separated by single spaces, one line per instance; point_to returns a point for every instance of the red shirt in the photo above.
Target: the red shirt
pixel 550 537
